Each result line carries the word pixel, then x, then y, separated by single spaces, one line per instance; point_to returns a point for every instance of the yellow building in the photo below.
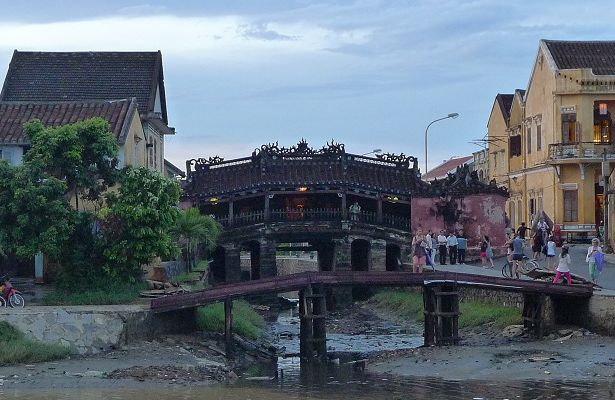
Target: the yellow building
pixel 558 132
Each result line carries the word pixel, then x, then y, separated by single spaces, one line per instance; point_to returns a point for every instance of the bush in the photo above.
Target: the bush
pixel 15 348
pixel 246 322
pixel 473 313
pixel 101 293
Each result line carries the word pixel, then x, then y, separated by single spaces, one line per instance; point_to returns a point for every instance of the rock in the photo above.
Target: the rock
pixel 512 331
pixel 94 374
pixel 232 377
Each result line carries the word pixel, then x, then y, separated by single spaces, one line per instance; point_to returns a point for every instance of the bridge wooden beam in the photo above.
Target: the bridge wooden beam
pixel 287 283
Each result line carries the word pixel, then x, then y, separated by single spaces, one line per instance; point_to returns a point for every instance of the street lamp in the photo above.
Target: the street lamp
pixel 451 115
pixel 375 151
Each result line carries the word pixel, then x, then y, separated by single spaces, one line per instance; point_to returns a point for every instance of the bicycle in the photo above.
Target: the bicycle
pixel 10 296
pixel 525 265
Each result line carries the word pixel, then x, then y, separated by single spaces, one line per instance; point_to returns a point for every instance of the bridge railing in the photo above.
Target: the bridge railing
pixel 249 218
pixel 306 214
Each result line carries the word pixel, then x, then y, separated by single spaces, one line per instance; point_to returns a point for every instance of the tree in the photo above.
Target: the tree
pixel 83 154
pixel 34 215
pixel 136 225
pixel 193 229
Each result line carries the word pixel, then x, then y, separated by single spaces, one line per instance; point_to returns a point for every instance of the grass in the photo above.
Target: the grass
pixel 188 277
pixel 473 313
pixel 115 294
pixel 15 348
pixel 247 323
pixel 201 266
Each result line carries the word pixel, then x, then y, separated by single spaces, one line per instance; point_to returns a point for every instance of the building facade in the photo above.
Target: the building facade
pixel 55 77
pixel 558 132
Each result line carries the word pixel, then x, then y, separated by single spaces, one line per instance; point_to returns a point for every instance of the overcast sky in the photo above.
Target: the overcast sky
pixel 371 74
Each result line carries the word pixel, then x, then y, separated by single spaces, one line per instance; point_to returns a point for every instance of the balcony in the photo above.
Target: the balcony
pixel 562 153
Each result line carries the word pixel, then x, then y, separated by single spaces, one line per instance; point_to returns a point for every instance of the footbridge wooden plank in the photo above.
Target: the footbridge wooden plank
pixel 351 278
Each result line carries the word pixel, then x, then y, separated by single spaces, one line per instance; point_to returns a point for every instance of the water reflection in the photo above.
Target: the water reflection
pixel 375 388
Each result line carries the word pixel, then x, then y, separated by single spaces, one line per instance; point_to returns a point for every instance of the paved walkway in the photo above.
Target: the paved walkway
pixel 579 267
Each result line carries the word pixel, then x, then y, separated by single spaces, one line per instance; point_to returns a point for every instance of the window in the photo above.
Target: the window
pixel 514 145
pixel 503 162
pixel 602 124
pixel 540 204
pixel 136 155
pixel 155 155
pixel 529 139
pixel 538 137
pixel 519 210
pixel 495 164
pixel 532 208
pixel 569 128
pixel 512 214
pixel 571 206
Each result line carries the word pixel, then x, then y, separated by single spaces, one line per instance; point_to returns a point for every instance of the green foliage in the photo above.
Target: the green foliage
pixel 84 154
pixel 201 266
pixel 112 293
pixel 473 313
pixel 246 322
pixel 15 348
pixel 192 229
pixel 34 214
pixel 137 225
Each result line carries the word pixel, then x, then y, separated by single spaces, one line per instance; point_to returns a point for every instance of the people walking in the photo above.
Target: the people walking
pixel 419 256
pixel 486 252
pixel 429 241
pixel 462 246
pixel 592 253
pixel 551 253
pixel 537 244
pixel 442 247
pixel 563 266
pixel 452 242
pixel 521 230
pixel 517 254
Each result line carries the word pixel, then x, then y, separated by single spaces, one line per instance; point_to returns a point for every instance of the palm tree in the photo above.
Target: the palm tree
pixel 193 229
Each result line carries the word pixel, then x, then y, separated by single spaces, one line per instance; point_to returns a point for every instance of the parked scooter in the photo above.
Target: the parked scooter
pixel 9 295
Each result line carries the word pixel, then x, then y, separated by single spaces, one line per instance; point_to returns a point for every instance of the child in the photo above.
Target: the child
pixel 591 259
pixel 563 267
pixel 486 252
pixel 550 253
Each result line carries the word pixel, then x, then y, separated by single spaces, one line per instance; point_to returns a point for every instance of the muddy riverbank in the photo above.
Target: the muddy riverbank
pixel 390 347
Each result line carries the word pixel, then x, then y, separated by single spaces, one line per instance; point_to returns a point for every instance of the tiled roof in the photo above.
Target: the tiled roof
pixel 14 114
pixel 597 55
pixel 443 169
pixel 505 103
pixel 76 76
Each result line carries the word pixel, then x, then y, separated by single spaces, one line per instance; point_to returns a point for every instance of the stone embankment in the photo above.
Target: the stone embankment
pixel 92 329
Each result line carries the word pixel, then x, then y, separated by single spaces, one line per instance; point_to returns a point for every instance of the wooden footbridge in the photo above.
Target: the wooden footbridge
pixel 440 299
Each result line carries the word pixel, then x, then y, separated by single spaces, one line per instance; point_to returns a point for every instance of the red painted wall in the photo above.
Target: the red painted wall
pixel 477 215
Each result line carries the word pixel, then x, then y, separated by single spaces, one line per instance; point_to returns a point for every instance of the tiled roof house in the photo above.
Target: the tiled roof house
pixel 122 115
pixel 88 78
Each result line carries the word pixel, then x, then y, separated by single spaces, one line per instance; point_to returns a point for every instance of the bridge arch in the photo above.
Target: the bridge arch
pixel 217 266
pixel 359 254
pixel 252 251
pixel 393 257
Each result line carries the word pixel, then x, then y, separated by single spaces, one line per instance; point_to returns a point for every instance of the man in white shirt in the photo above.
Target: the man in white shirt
pixel 442 247
pixel 451 241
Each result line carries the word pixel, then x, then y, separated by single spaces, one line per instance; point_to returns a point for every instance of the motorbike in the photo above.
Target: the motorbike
pixel 9 295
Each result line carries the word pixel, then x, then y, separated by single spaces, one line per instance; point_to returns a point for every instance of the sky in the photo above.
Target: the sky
pixel 371 74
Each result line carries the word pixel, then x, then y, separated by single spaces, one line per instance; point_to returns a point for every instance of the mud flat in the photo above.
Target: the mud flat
pixel 568 355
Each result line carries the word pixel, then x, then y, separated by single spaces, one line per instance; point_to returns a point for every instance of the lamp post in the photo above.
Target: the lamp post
pixel 451 115
pixel 375 151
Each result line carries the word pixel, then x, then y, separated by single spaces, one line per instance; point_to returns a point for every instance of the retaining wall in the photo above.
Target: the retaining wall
pixel 91 329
